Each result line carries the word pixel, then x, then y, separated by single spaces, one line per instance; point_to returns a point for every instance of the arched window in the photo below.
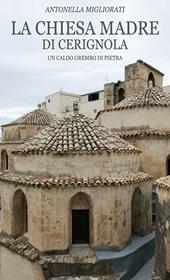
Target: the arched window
pixel 121 95
pixel 4 160
pixel 151 80
pixel 81 218
pixel 154 205
pixel 168 165
pixel 137 212
pixel 20 214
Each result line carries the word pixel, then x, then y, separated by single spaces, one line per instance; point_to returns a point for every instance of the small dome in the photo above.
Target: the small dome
pixel 37 117
pixel 150 97
pixel 75 133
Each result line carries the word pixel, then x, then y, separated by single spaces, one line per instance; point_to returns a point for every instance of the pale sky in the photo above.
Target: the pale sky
pixel 26 75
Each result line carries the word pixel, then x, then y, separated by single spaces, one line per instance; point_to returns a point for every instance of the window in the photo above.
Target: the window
pixel 154 204
pixel 48 100
pixel 108 102
pixel 151 80
pixel 20 214
pixel 137 212
pixel 4 160
pixel 121 94
pixel 75 106
pixel 93 96
pixel 168 165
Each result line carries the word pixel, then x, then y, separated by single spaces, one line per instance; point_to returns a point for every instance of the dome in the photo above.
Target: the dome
pixel 75 134
pixel 150 97
pixel 36 117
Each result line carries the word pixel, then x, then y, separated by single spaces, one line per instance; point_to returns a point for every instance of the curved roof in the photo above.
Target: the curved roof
pixel 37 117
pixel 150 97
pixel 75 133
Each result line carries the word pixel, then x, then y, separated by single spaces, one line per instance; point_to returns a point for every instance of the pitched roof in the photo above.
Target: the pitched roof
pixel 150 97
pixel 163 183
pixel 37 117
pixel 76 134
pixel 19 245
pixel 142 132
pixel 68 181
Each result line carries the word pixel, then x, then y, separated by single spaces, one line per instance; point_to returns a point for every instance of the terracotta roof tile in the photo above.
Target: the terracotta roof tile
pixel 19 245
pixel 68 181
pixel 163 182
pixel 142 132
pixel 150 97
pixel 37 117
pixel 75 134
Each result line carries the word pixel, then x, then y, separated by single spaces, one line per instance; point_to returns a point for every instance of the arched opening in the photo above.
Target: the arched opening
pixel 20 214
pixel 121 95
pixel 168 247
pixel 4 160
pixel 168 165
pixel 151 80
pixel 81 219
pixel 137 212
pixel 154 205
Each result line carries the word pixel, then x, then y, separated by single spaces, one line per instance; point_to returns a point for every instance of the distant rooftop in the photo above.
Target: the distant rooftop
pixel 37 117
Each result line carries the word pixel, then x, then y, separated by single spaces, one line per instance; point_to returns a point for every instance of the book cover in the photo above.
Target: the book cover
pixel 85 139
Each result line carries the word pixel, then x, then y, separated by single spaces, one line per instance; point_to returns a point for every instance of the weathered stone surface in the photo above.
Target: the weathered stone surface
pixel 162 251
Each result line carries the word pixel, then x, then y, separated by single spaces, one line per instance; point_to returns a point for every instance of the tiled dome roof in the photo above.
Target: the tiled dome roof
pixel 75 133
pixel 37 117
pixel 150 97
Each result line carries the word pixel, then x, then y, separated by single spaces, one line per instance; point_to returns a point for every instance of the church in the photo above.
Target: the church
pixel 75 183
pixel 72 183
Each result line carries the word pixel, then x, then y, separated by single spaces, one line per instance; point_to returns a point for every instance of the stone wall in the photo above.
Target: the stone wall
pixel 111 93
pixel 15 267
pixel 84 165
pixel 136 77
pixel 49 214
pixel 162 252
pixel 18 132
pixel 153 158
pixel 8 148
pixel 155 117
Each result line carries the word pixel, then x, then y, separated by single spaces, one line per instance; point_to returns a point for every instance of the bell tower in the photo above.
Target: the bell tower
pixel 140 75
